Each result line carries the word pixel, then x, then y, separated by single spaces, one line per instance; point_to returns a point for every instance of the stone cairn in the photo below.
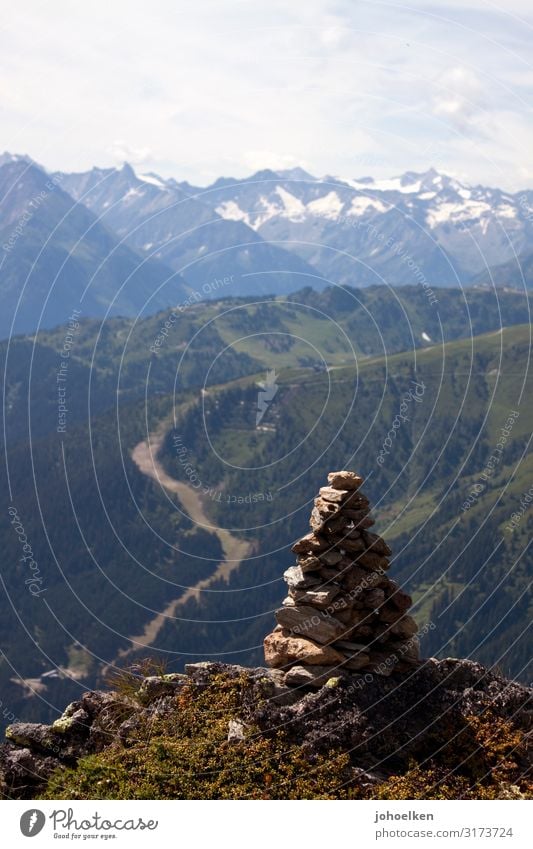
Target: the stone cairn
pixel 343 614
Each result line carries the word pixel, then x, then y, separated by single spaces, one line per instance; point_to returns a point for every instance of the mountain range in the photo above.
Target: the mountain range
pixel 111 241
pixel 204 290
pixel 56 256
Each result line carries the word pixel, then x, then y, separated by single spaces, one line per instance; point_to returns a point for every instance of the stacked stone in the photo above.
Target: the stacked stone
pixel 343 612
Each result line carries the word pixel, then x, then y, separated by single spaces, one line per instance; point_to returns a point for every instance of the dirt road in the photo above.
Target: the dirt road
pixel 145 457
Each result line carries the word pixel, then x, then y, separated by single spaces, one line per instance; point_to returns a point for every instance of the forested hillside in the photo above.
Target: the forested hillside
pixel 113 549
pixel 444 495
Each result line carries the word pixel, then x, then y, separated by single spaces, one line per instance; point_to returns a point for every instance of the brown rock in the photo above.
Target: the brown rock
pixel 310 544
pixel 326 509
pixel 347 644
pixel 306 621
pixel 356 661
pixel 348 533
pixel 330 573
pixel 356 516
pixel 331 558
pixel 373 561
pixel 316 598
pixel 401 600
pixel 338 496
pixel 354 578
pixel 409 650
pixel 373 598
pixel 282 648
pixel 375 544
pixel 362 524
pixel 357 504
pixel 344 615
pixel 338 523
pixel 347 544
pixel 389 614
pixel 339 591
pixel 405 627
pixel 382 663
pixel 308 563
pixel 312 676
pixel 344 480
pixel 361 631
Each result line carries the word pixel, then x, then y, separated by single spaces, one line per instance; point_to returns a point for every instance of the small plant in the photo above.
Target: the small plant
pixel 126 682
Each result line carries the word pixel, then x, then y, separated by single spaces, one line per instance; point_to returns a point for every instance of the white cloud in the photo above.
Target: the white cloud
pixel 197 90
pixel 123 152
pixel 460 97
pixel 258 159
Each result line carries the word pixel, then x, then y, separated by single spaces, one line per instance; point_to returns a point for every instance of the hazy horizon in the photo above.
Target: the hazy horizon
pixel 209 90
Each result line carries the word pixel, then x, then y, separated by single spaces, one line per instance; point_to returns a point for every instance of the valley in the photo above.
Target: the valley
pixel 137 564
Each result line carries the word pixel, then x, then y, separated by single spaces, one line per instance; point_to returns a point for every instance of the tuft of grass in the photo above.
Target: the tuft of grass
pixel 126 682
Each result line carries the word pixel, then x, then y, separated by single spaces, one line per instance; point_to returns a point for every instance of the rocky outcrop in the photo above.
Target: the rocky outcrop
pixel 33 751
pixel 342 611
pixel 382 723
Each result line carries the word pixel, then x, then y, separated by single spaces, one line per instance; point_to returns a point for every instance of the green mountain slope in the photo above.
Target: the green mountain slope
pixel 444 494
pixel 109 542
pixel 217 342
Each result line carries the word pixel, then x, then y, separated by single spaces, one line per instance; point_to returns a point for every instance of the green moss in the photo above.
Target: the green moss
pixel 185 754
pixel 62 724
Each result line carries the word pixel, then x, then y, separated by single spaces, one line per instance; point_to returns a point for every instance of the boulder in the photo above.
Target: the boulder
pixel 305 620
pixel 283 648
pixel 344 480
pixel 312 676
pixel 310 544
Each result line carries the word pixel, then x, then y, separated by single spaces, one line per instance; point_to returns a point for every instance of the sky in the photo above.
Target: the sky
pixel 198 89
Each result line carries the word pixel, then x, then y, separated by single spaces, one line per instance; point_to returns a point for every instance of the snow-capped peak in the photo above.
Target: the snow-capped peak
pixel 7 158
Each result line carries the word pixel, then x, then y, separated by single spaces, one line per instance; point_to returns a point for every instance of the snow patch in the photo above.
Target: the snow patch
pixel 425 337
pixel 294 209
pixel 506 211
pixel 232 212
pixel 131 193
pixel 153 179
pixel 363 204
pixel 328 206
pixel 457 212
